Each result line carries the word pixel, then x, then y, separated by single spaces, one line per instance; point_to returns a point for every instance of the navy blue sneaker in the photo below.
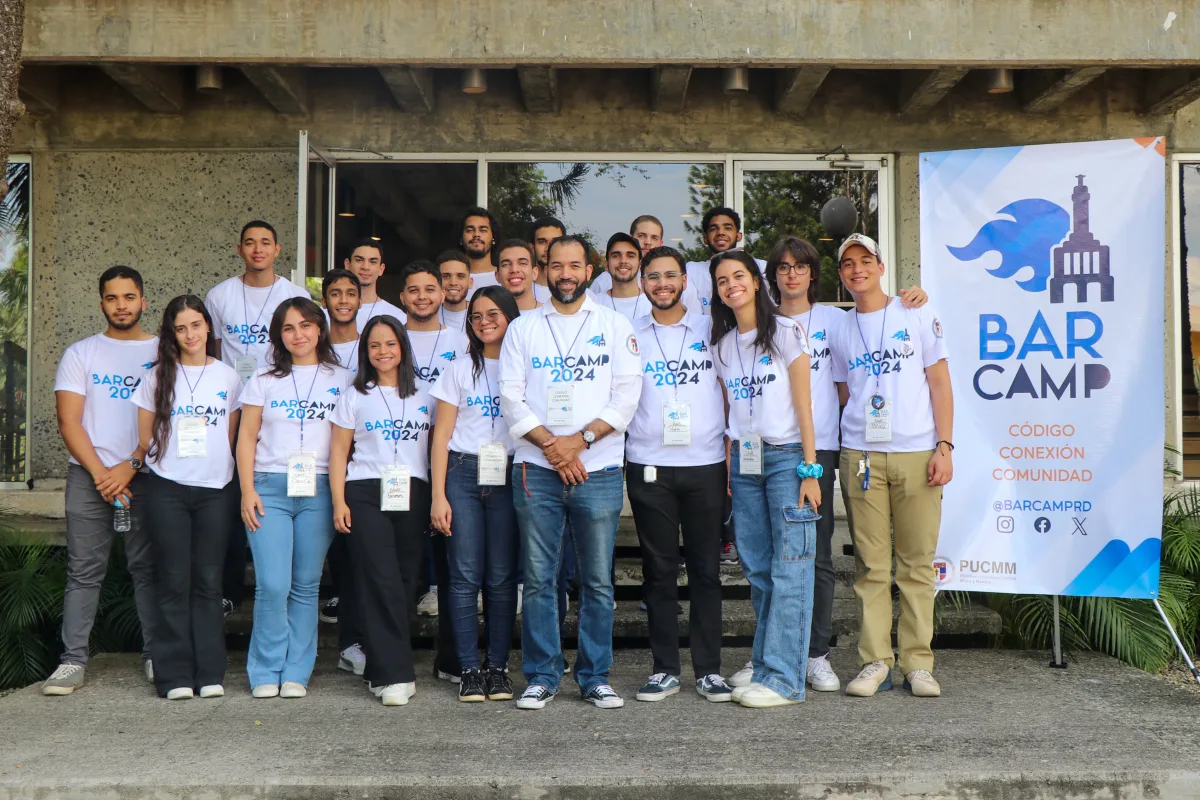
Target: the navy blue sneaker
pixel 714 689
pixel 659 687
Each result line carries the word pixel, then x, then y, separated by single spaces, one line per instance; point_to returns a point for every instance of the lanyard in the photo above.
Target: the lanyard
pixel 582 325
pixel 678 358
pixel 191 388
pixel 882 333
pixel 403 413
pixel 638 300
pixel 491 411
pixel 316 372
pixel 432 356
pixel 246 308
pixel 753 363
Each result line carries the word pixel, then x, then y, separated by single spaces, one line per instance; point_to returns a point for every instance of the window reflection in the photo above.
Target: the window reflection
pixel 14 321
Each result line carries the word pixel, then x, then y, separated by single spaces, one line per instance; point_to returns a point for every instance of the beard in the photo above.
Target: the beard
pixel 632 277
pixel 422 318
pixel 452 300
pixel 124 326
pixel 667 305
pixel 476 251
pixel 559 294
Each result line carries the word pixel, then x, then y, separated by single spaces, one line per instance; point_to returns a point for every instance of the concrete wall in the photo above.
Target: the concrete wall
pixel 174 217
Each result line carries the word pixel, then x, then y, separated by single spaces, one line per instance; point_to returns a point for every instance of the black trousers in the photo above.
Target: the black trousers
pixel 188 528
pixel 234 569
pixel 824 579
pixel 341 573
pixel 386 553
pixel 691 497
pixel 446 654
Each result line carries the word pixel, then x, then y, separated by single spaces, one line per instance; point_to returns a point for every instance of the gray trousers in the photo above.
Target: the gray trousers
pixel 90 536
pixel 823 585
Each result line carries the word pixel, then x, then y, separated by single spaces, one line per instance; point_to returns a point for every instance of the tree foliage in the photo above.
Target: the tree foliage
pixel 12 31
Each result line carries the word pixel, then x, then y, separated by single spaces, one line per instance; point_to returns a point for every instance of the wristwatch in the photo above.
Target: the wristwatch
pixel 588 438
pixel 136 463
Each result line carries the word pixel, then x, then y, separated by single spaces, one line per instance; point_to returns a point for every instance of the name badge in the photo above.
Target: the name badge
pixel 750 454
pixel 191 437
pixel 677 423
pixel 650 474
pixel 245 366
pixel 493 464
pixel 302 475
pixel 878 414
pixel 560 405
pixel 395 483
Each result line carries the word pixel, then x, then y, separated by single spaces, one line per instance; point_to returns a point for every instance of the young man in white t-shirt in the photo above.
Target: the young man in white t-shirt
pixel 340 294
pixel 96 378
pixel 479 233
pixel 458 286
pixel 623 257
pixel 890 366
pixel 366 261
pixel 518 273
pixel 721 229
pixel 647 231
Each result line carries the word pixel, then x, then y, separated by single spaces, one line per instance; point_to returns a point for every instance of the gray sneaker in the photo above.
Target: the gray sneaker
pixel 66 679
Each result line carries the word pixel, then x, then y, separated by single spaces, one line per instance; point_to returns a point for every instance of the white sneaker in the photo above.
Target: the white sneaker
pixel 292 690
pixel 759 696
pixel 520 597
pixel 352 659
pixel 742 677
pixel 479 603
pixel 394 694
pixel 64 680
pixel 265 691
pixel 821 676
pixel 148 665
pixel 215 690
pixel 428 604
pixel 183 693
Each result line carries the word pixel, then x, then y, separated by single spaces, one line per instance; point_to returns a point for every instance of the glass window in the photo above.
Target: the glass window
pixel 14 321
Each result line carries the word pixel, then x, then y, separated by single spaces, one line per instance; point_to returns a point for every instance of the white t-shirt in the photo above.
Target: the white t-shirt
pixel 241 316
pixel 388 429
pixel 454 320
pixel 478 402
pixel 309 401
pixel 435 351
pixel 820 323
pixel 700 280
pixel 593 350
pixel 677 367
pixel 106 372
pixel 480 279
pixel 628 307
pixel 603 283
pixel 347 353
pixel 213 392
pixel 378 309
pixel 912 342
pixel 759 381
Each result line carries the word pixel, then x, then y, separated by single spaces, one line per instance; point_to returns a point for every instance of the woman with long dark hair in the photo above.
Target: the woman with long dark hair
pixel 763 362
pixel 472 497
pixel 381 499
pixel 283 466
pixel 188 411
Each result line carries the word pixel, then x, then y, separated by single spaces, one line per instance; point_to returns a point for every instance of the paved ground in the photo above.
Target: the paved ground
pixel 1008 727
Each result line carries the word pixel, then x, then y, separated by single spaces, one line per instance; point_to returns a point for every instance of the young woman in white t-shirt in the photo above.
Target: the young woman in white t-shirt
pixel 763 362
pixel 472 497
pixel 283 466
pixel 381 499
pixel 188 410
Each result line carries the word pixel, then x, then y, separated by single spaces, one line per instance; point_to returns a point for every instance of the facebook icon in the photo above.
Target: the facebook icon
pixel 1041 525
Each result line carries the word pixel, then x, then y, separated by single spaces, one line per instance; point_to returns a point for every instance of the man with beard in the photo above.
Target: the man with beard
pixel 518 272
pixel 96 377
pixel 457 283
pixel 676 477
pixel 721 228
pixel 479 232
pixel 570 378
pixel 622 255
pixel 647 231
pixel 366 261
pixel 341 293
pixel 543 231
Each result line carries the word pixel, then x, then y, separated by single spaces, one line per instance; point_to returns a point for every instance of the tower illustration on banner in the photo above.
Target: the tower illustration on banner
pixel 1081 260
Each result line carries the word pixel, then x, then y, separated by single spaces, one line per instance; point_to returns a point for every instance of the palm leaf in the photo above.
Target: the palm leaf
pixel 1131 630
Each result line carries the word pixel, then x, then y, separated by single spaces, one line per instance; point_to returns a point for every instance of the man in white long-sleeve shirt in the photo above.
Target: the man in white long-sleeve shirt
pixel 570 380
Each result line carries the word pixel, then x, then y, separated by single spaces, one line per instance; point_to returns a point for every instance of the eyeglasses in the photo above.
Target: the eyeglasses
pixel 495 315
pixel 794 269
pixel 655 277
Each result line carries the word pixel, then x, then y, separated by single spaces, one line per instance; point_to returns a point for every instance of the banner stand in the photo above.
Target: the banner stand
pixel 1182 650
pixel 1059 662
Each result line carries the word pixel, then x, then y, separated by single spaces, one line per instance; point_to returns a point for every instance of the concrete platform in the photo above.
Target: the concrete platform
pixel 1007 727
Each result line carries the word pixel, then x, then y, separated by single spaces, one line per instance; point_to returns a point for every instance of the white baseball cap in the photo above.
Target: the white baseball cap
pixel 861 240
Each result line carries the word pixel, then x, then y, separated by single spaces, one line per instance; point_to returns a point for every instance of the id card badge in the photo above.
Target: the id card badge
pixel 878 414
pixel 750 454
pixel 560 405
pixel 493 464
pixel 245 366
pixel 192 437
pixel 677 423
pixel 395 483
pixel 302 475
pixel 650 474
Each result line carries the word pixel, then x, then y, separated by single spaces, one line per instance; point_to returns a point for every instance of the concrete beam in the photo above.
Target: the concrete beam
pixel 412 89
pixel 1044 90
pixel 795 88
pixel 285 89
pixel 909 34
pixel 159 89
pixel 539 89
pixel 39 89
pixel 1167 91
pixel 920 92
pixel 668 88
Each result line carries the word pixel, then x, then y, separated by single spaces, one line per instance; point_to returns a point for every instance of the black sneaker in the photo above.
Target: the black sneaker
pixel 499 687
pixel 535 697
pixel 470 688
pixel 329 611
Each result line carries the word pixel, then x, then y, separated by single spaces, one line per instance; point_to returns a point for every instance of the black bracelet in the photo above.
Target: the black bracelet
pixel 946 442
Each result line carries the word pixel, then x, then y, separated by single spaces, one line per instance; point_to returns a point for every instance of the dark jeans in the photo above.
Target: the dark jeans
pixel 824 580
pixel 482 554
pixel 386 549
pixel 233 576
pixel 341 573
pixel 188 527
pixel 694 498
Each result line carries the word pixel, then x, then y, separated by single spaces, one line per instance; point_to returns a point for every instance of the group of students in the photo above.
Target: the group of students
pixel 493 424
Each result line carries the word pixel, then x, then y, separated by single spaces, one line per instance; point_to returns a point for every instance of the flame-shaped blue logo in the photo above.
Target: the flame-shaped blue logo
pixel 223 395
pixel 597 340
pixel 902 335
pixel 699 347
pixel 765 360
pixel 1025 240
pixel 449 355
pixel 335 391
pixel 819 335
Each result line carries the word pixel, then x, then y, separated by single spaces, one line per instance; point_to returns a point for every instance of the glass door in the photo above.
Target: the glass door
pixel 314 225
pixel 777 198
pixel 14 323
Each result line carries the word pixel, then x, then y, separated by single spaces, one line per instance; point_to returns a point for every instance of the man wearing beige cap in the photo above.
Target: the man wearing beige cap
pixel 890 367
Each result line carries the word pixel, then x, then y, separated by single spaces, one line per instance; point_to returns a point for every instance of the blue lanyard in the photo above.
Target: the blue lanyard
pixel 882 334
pixel 246 307
pixel 306 399
pixel 678 358
pixel 403 414
pixel 636 301
pixel 582 325
pixel 192 389
pixel 432 356
pixel 753 363
pixel 493 410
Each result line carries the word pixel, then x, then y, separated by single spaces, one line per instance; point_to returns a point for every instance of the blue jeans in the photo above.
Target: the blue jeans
pixel 778 543
pixel 545 507
pixel 482 552
pixel 289 551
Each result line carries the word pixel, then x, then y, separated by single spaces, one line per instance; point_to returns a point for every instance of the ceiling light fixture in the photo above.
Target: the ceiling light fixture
pixel 474 81
pixel 1000 81
pixel 737 80
pixel 208 78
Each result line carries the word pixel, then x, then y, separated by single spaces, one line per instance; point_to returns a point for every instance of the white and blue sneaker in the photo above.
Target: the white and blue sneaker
pixel 714 689
pixel 534 697
pixel 659 687
pixel 602 696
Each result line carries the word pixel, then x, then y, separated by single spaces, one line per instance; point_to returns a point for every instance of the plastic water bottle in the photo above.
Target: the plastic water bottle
pixel 122 519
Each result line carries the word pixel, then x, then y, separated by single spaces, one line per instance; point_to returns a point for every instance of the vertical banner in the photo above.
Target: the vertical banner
pixel 1046 265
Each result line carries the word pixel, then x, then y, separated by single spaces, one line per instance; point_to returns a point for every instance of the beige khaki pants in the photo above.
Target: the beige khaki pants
pixel 900 502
